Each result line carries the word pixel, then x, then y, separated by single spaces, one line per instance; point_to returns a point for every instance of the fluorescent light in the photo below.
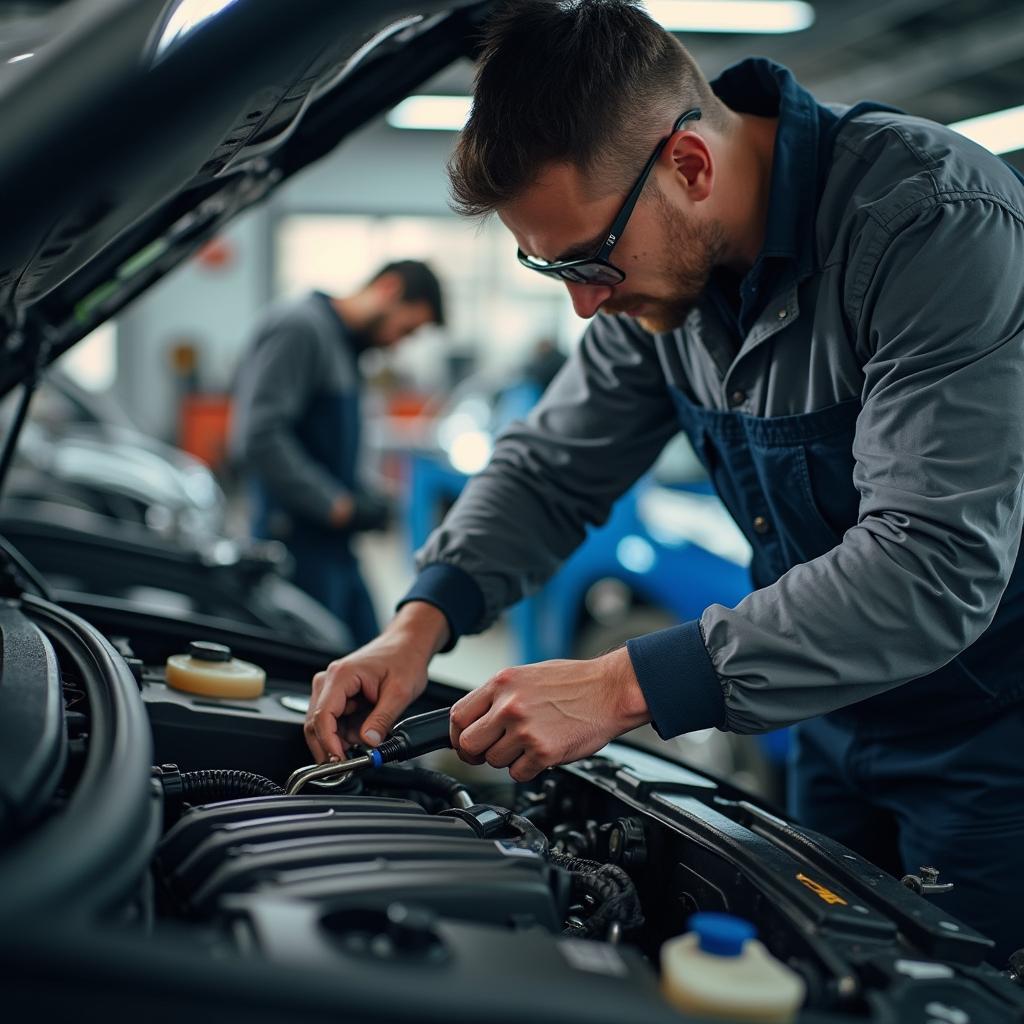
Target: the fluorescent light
pixel 759 17
pixel 21 56
pixel 1001 131
pixel 431 113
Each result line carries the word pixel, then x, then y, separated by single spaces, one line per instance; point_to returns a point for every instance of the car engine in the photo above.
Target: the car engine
pixel 151 862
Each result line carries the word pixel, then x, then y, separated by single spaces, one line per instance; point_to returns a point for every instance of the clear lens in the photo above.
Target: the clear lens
pixel 592 273
pixel 533 262
pixel 583 272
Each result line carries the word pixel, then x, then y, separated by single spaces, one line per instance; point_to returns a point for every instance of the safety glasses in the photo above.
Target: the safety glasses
pixel 597 269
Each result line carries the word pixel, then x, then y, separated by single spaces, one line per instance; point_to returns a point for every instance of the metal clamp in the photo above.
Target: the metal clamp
pixel 926 882
pixel 334 773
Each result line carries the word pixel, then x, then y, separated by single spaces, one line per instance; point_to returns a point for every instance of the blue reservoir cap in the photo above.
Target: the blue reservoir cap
pixel 721 934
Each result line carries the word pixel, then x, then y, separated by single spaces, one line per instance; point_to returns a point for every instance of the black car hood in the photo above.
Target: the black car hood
pixel 139 127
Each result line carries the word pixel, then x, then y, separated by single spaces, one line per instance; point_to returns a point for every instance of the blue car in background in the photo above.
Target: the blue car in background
pixel 668 550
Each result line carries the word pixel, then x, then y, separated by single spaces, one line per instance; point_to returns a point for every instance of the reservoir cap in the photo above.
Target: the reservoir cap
pixel 204 650
pixel 721 934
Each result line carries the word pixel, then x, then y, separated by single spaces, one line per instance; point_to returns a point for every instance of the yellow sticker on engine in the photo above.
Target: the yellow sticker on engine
pixel 820 891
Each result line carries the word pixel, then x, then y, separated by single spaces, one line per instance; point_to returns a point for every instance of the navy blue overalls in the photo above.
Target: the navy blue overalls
pixel 931 773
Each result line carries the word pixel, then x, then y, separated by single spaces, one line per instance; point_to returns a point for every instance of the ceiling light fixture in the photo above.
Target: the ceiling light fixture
pixel 21 56
pixel 431 113
pixel 767 17
pixel 1002 131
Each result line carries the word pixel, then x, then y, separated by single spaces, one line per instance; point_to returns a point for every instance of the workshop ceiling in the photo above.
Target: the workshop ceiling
pixel 943 59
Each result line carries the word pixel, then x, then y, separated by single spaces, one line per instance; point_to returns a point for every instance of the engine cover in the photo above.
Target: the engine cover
pixel 353 852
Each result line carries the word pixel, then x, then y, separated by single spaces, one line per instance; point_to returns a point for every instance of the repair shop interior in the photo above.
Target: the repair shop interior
pixel 500 518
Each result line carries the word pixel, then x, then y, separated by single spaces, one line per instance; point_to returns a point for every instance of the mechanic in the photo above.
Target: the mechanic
pixel 296 427
pixel 830 303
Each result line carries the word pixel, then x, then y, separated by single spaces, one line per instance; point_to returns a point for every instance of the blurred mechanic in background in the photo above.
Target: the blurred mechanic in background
pixel 296 427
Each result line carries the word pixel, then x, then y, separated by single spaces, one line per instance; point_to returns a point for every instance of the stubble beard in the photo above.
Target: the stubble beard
pixel 691 253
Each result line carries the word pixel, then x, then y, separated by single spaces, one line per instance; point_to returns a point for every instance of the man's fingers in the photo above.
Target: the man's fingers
pixel 324 709
pixel 349 733
pixel 324 723
pixel 526 767
pixel 466 711
pixel 379 722
pixel 318 684
pixel 313 743
pixel 503 753
pixel 477 738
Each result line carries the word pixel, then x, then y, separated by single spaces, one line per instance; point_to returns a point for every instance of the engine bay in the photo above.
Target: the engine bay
pixel 150 858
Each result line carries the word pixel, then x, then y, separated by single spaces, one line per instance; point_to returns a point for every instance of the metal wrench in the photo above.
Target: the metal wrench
pixel 411 737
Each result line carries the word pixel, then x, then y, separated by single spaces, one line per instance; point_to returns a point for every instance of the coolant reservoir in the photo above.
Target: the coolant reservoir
pixel 718 969
pixel 209 670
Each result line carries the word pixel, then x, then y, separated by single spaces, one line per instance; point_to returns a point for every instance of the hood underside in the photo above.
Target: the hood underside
pixel 140 127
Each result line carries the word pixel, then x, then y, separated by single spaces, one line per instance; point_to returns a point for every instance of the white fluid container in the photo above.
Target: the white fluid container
pixel 209 670
pixel 718 969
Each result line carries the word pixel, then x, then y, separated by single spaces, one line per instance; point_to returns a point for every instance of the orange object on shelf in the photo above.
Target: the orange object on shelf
pixel 408 403
pixel 204 427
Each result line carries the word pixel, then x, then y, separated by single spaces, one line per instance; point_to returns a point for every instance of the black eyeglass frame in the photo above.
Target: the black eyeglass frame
pixel 570 270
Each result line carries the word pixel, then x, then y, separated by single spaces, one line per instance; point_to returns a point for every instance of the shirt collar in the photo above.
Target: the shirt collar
pixel 760 86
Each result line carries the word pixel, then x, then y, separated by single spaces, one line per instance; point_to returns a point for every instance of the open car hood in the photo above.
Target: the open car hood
pixel 138 128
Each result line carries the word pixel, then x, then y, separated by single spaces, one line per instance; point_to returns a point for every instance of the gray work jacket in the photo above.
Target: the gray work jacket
pixel 908 303
pixel 296 424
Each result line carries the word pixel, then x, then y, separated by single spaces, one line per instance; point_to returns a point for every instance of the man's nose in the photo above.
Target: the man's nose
pixel 587 299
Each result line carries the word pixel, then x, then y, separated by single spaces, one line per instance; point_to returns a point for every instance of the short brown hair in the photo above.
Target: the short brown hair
pixel 593 83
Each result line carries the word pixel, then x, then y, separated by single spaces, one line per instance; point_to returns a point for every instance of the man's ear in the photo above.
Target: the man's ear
pixel 689 159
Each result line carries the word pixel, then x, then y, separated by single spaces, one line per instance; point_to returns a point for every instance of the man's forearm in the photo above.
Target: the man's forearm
pixel 300 484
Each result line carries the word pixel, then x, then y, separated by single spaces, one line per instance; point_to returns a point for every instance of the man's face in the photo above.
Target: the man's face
pixel 667 256
pixel 398 320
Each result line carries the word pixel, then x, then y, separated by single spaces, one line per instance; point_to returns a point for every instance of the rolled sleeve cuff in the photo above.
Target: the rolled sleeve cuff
pixel 679 683
pixel 454 593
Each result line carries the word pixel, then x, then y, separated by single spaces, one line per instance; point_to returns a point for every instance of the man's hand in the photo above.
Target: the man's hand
pixel 535 716
pixel 361 696
pixel 357 513
pixel 372 512
pixel 342 509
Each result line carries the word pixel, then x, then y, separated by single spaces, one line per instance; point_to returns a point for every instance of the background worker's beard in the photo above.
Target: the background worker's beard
pixel 689 254
pixel 371 334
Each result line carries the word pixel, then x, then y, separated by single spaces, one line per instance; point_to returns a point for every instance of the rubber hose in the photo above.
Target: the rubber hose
pixel 426 780
pixel 213 785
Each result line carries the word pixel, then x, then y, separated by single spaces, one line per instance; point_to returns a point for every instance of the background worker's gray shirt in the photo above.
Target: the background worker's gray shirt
pixel 916 308
pixel 296 354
